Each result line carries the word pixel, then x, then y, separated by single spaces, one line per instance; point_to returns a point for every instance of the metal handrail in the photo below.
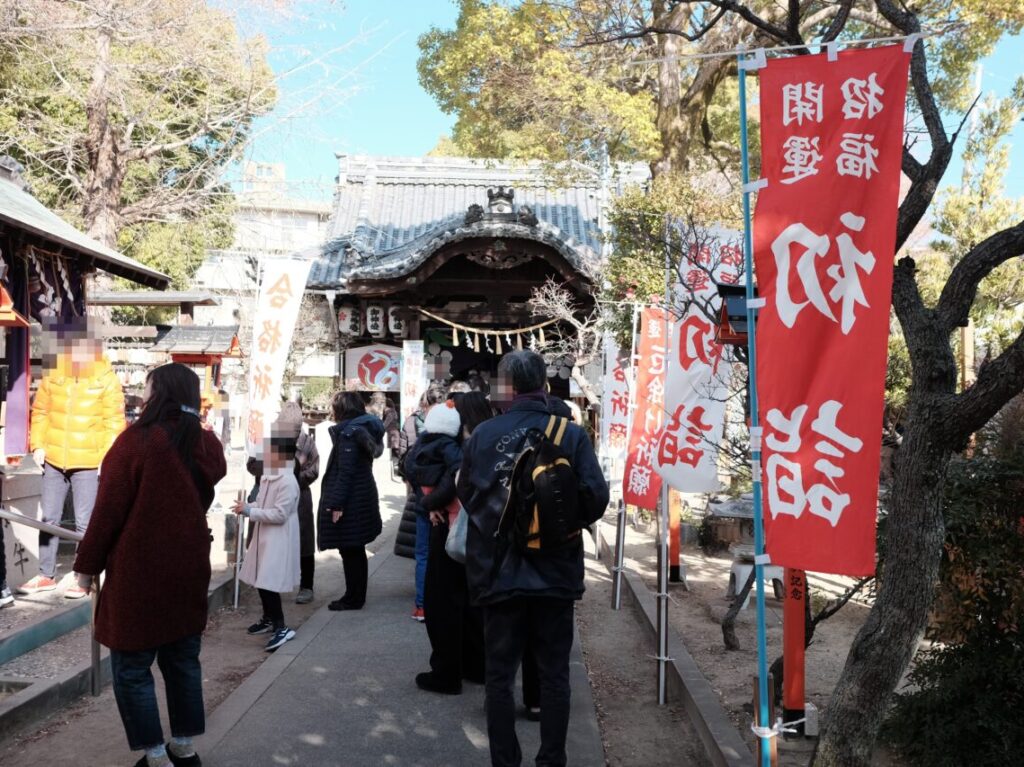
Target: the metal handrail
pixel 70 535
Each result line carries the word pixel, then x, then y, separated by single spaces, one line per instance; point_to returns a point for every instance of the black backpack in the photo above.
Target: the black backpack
pixel 542 512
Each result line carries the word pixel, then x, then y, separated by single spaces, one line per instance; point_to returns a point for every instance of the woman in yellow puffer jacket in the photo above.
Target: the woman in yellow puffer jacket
pixel 77 414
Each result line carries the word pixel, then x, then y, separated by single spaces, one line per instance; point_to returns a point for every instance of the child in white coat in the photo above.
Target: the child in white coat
pixel 272 558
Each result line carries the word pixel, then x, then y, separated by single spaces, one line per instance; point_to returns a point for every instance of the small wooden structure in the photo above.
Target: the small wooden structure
pixel 202 348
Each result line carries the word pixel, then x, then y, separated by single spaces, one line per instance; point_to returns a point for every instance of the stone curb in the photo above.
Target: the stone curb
pixel 724 745
pixel 44 628
pixel 42 697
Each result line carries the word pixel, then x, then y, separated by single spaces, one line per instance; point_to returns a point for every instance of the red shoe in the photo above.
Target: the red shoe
pixel 417 615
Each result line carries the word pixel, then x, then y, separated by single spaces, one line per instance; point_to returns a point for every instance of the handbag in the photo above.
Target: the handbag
pixel 455 545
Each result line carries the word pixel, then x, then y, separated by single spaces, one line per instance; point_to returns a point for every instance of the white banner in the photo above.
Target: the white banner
pixel 697 382
pixel 281 289
pixel 414 377
pixel 373 368
pixel 614 403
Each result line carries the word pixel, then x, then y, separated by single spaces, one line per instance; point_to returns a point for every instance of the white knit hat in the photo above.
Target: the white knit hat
pixel 443 418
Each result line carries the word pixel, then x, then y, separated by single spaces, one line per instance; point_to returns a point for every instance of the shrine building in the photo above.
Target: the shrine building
pixel 448 251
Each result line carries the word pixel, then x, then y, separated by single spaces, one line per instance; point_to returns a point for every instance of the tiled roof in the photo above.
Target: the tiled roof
pixel 195 339
pixel 21 210
pixel 391 213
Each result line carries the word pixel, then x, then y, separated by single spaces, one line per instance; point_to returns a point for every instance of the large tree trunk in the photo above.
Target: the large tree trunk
pixel 886 642
pixel 106 170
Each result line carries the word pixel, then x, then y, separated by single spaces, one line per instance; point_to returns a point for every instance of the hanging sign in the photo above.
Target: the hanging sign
pixel 641 486
pixel 614 401
pixel 277 307
pixel 697 382
pixel 414 376
pixel 831 133
pixel 374 368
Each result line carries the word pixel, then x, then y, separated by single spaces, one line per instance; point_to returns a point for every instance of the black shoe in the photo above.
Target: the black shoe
pixel 427 681
pixel 184 761
pixel 262 626
pixel 341 604
pixel 474 678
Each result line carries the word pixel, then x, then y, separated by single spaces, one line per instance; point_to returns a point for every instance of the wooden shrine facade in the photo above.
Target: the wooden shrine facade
pixel 421 248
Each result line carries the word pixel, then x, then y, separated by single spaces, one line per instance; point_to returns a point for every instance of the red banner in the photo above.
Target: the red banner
pixel 640 485
pixel 824 236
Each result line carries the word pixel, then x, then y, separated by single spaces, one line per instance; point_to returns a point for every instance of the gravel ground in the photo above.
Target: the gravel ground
pixel 636 731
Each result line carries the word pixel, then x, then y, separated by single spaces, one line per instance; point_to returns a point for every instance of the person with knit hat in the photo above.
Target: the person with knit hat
pixel 431 467
pixel 272 559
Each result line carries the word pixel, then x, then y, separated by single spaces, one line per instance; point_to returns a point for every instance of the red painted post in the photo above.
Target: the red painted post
pixel 793 631
pixel 674 513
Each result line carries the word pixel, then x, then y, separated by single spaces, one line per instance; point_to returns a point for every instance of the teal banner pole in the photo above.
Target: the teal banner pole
pixel 755 426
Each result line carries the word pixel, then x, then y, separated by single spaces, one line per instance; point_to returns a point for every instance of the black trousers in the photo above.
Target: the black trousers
pixel 545 625
pixel 455 629
pixel 307 566
pixel 272 609
pixel 354 563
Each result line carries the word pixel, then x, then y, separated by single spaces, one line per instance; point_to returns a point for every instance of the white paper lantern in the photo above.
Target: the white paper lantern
pixel 350 320
pixel 396 325
pixel 376 323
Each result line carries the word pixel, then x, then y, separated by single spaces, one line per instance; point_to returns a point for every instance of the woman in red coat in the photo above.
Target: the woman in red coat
pixel 148 533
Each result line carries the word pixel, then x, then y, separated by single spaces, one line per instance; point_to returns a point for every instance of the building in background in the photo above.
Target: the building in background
pixel 274 219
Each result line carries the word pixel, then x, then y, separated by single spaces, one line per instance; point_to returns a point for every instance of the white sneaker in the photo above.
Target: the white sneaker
pixel 6 597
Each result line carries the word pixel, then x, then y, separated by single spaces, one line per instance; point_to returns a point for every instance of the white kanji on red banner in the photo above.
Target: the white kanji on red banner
pixel 801 101
pixel 787 492
pixel 845 290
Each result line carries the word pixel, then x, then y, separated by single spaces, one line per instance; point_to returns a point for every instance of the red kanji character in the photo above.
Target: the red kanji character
pixel 696 279
pixel 620 404
pixel 699 254
pixel 731 255
pixel 697 425
pixel 617 434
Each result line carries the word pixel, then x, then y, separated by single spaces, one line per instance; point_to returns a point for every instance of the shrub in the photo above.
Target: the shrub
pixel 968 690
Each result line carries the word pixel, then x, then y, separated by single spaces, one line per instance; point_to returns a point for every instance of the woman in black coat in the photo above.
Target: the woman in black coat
pixel 349 514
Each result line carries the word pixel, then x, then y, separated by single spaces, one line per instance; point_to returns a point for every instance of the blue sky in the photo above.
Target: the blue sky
pixel 356 62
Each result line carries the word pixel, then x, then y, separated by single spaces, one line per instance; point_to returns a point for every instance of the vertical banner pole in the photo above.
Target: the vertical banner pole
pixel 663 524
pixel 755 451
pixel 663 596
pixel 239 538
pixel 620 555
pixel 793 640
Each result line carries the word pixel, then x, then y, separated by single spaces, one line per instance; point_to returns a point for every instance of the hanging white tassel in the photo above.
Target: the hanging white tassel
pixel 519 341
pixel 508 340
pixel 541 333
pixel 487 342
pixel 455 337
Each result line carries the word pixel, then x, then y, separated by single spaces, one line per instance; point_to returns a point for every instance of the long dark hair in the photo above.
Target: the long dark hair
pixel 474 408
pixel 173 388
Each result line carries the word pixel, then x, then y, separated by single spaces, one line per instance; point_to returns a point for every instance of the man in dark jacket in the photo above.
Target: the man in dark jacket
pixel 527 601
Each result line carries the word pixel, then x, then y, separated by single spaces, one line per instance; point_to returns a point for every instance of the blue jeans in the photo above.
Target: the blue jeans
pixel 52 492
pixel 422 552
pixel 136 694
